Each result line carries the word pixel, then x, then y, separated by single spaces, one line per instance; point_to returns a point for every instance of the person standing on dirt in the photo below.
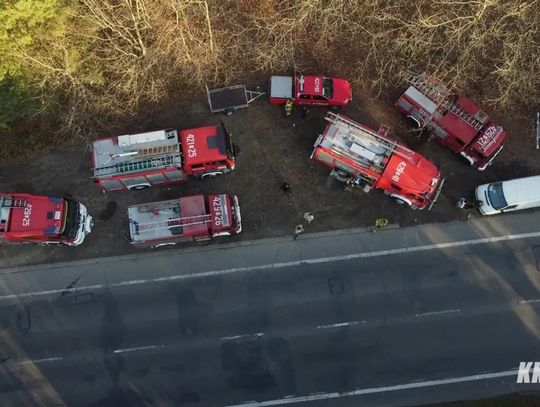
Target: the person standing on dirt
pixel 308 216
pixel 286 187
pixel 298 230
pixel 464 204
pixel 288 107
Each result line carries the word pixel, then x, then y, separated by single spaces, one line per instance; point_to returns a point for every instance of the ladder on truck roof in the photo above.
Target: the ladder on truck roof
pixel 9 202
pixel 440 94
pixel 148 164
pixel 174 222
pixel 171 148
pixel 359 131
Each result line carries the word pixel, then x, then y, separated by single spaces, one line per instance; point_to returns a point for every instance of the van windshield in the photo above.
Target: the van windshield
pixel 496 196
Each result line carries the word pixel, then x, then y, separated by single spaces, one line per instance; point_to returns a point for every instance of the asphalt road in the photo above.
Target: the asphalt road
pixel 397 317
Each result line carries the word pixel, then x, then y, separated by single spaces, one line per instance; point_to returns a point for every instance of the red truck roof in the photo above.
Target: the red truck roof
pixel 310 90
pixel 204 145
pixel 373 159
pixel 455 121
pixel 415 175
pixel 24 215
pixel 314 85
pixel 195 216
pixel 454 124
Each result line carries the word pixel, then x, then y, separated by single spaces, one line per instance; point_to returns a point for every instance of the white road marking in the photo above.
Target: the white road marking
pixel 282 265
pixel 232 338
pixel 383 389
pixel 340 324
pixel 27 362
pixel 446 311
pixel 138 348
pixel 529 301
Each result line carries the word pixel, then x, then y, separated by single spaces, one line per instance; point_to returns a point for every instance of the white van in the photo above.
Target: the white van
pixel 506 196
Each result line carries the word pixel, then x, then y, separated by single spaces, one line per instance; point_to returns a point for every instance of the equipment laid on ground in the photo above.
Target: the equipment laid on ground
pixel 230 98
pixel 453 120
pixel 195 217
pixel 364 158
pixel 162 157
pixel 310 90
pixel 46 220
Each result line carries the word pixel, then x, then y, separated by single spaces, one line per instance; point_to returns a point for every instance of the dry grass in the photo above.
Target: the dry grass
pixel 120 53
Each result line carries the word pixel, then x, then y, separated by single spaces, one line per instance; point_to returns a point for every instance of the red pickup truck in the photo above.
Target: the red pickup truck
pixel 312 90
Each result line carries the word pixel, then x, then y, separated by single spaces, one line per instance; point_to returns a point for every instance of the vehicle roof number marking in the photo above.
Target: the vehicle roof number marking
pixel 399 170
pixel 26 215
pixel 190 140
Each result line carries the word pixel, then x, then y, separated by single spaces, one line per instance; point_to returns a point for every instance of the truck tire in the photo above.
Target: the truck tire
pixel 211 174
pixel 139 187
pixel 400 201
pixel 163 245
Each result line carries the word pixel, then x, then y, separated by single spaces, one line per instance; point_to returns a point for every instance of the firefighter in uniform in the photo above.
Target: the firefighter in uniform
pixel 288 107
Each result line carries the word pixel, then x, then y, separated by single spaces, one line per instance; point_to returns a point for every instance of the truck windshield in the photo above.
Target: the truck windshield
pixel 328 88
pixel 71 219
pixel 496 196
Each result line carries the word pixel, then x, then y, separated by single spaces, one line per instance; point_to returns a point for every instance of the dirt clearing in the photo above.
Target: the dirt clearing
pixel 274 149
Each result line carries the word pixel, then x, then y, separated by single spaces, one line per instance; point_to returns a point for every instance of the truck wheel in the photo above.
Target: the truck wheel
pixel 140 187
pixel 162 245
pixel 400 201
pixel 211 174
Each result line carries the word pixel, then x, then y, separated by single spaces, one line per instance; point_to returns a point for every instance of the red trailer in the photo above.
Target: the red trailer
pixel 45 220
pixel 310 90
pixel 363 158
pixel 454 120
pixel 162 157
pixel 195 217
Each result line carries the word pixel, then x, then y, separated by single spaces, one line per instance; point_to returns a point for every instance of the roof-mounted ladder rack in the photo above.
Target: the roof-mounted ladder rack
pixel 144 165
pixel 174 222
pixel 440 94
pixel 8 202
pixel 358 131
pixel 158 150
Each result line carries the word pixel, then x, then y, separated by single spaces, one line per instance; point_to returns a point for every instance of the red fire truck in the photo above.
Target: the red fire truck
pixel 161 157
pixel 195 217
pixel 363 158
pixel 45 220
pixel 455 121
pixel 312 90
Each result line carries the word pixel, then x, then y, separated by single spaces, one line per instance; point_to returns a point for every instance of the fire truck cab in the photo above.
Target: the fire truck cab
pixel 162 157
pixel 46 220
pixel 310 90
pixel 363 158
pixel 454 120
pixel 195 217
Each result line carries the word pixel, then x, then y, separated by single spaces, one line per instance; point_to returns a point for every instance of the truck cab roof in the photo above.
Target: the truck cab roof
pixel 331 88
pixel 415 175
pixel 24 215
pixel 205 145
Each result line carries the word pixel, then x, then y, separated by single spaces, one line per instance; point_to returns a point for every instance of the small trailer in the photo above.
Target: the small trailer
pixel 230 98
